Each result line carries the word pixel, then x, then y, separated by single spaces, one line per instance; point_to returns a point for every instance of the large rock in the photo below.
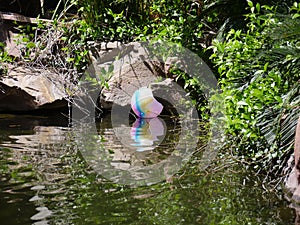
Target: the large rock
pixel 123 84
pixel 127 69
pixel 24 89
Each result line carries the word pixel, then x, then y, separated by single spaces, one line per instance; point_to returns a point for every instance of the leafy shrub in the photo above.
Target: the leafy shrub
pixel 4 57
pixel 258 70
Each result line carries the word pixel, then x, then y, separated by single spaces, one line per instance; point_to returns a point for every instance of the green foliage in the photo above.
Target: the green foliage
pixel 110 20
pixel 74 41
pixel 26 41
pixel 190 24
pixel 4 57
pixel 170 21
pixel 125 20
pixel 258 68
pixel 61 44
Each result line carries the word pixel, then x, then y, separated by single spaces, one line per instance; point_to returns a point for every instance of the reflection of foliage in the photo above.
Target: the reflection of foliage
pixel 224 197
pixel 224 194
pixel 165 148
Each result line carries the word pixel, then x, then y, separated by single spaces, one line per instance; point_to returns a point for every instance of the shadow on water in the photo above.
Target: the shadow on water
pixel 46 179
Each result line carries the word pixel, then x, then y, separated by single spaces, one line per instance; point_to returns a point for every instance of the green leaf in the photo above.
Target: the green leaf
pixel 250 3
pixel 266 66
pixel 25 39
pixel 70 60
pixel 258 7
pixel 30 45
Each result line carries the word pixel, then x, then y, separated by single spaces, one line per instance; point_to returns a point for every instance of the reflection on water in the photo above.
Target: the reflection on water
pixel 145 132
pixel 142 153
pixel 45 180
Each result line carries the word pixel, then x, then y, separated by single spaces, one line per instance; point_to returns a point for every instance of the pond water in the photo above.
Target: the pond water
pixel 52 173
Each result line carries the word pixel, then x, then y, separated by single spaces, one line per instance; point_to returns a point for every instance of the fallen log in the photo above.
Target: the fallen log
pixel 23 19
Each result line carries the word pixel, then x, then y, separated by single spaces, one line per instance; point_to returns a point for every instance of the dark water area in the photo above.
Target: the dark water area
pixel 53 173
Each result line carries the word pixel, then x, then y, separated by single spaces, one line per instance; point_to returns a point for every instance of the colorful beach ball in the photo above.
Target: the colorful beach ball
pixel 144 105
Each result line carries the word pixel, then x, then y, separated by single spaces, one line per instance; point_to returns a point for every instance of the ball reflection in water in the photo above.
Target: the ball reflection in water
pixel 145 132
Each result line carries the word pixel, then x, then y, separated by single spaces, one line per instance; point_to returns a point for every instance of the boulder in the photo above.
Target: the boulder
pixel 25 89
pixel 123 84
pixel 126 68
